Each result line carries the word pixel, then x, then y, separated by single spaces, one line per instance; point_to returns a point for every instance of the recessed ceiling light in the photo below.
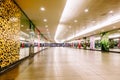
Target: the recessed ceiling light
pixel 42 9
pixel 114 27
pixel 46 26
pixel 69 26
pixel 111 12
pixel 83 27
pixel 45 20
pixel 75 21
pixel 93 21
pixel 86 10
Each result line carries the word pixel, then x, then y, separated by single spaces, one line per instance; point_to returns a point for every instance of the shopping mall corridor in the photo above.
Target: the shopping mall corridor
pixel 67 64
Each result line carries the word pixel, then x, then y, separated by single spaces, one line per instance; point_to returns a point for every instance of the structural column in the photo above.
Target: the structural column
pixel 31 35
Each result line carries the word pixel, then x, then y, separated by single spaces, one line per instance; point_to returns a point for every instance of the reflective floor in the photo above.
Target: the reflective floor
pixel 67 64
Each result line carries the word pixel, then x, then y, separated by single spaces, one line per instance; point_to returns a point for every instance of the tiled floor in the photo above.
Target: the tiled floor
pixel 67 64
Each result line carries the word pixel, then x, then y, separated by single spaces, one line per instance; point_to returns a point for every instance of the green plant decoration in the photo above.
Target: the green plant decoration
pixel 111 45
pixel 104 41
pixel 84 44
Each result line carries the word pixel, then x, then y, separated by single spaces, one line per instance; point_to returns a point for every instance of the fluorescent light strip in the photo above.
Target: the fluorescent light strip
pixel 66 15
pixel 71 8
pixel 107 22
pixel 58 31
pixel 114 36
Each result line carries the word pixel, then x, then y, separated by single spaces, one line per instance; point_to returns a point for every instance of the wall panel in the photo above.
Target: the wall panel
pixel 9 32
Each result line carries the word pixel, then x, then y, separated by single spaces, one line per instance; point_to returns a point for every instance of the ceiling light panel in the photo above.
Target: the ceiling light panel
pixel 45 20
pixel 111 12
pixel 70 27
pixel 46 26
pixel 86 10
pixel 42 9
pixel 75 21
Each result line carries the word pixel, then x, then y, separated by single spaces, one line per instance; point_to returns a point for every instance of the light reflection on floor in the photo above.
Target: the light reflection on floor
pixel 68 64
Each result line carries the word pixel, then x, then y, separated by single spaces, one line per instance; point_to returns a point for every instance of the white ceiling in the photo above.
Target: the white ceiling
pixel 61 19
